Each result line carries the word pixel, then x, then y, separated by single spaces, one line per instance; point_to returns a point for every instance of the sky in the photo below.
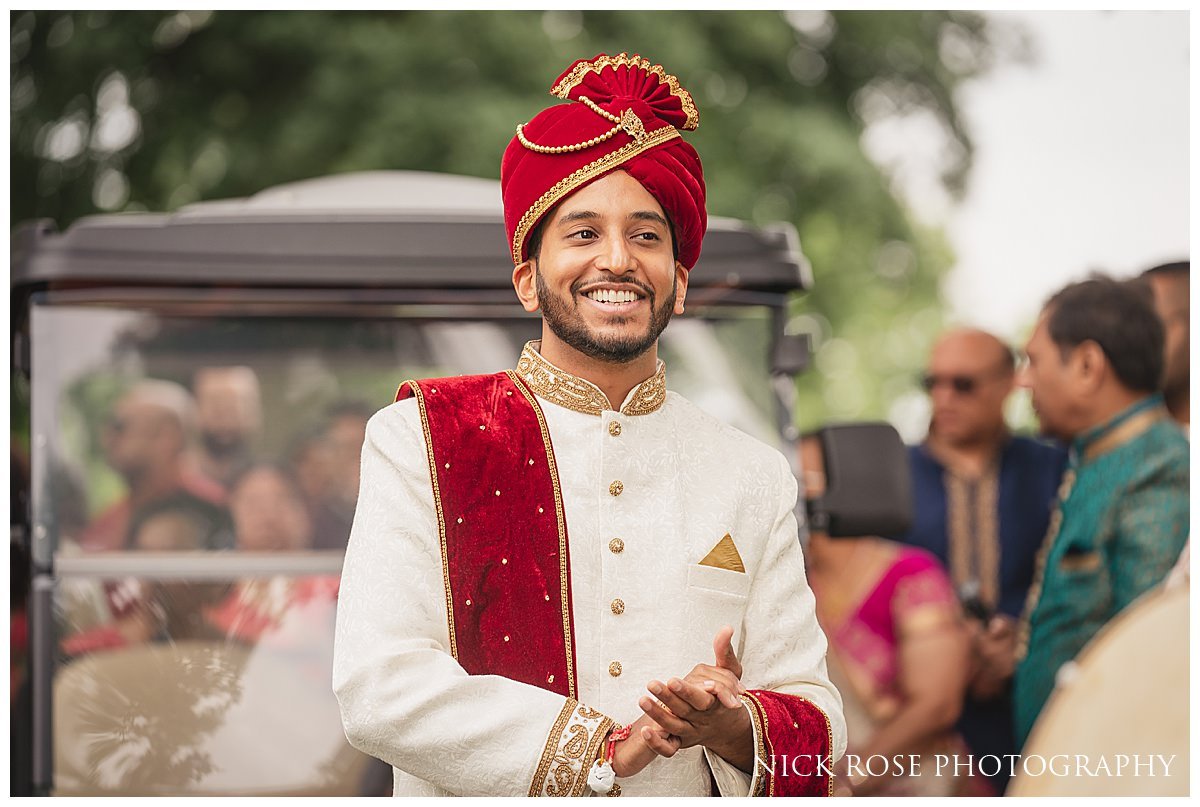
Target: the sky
pixel 1081 163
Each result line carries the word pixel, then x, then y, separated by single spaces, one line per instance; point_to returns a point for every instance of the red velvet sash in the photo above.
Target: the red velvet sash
pixel 796 747
pixel 503 531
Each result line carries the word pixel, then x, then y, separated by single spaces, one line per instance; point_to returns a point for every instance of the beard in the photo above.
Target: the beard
pixel 563 317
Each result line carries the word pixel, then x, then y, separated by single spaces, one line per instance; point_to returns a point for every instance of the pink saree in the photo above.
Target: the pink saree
pixel 912 596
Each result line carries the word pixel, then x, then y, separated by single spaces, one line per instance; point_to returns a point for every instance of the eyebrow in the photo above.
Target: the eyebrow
pixel 590 215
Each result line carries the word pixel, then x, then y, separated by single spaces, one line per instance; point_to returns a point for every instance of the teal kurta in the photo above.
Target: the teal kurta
pixel 1120 524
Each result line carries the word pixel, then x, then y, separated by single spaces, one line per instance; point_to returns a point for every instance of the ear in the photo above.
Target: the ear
pixel 1090 364
pixel 681 284
pixel 525 283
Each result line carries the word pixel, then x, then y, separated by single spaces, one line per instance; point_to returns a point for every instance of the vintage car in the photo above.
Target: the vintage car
pixel 181 607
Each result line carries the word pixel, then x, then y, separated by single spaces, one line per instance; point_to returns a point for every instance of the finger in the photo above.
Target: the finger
pixel 663 745
pixel 703 672
pixel 695 696
pixel 670 695
pixel 667 696
pixel 723 651
pixel 724 694
pixel 664 718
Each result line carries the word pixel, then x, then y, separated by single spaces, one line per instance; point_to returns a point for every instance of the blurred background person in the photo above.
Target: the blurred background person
pixel 270 515
pixel 342 441
pixel 899 652
pixel 1171 285
pixel 228 421
pixel 982 499
pixel 269 511
pixel 163 610
pixel 1095 363
pixel 145 440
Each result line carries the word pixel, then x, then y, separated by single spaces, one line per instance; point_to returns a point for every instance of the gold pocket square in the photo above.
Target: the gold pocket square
pixel 724 556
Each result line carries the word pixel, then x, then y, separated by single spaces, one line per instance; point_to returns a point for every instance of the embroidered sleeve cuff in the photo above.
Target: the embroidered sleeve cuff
pixel 792 732
pixel 731 780
pixel 572 747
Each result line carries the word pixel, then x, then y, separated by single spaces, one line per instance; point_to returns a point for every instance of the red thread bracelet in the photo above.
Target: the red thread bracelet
pixel 614 737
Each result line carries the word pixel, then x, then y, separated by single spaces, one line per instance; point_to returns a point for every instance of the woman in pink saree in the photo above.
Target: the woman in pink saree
pixel 898 653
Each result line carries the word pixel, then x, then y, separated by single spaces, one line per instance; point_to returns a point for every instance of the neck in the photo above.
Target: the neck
pixel 1108 405
pixel 615 380
pixel 968 456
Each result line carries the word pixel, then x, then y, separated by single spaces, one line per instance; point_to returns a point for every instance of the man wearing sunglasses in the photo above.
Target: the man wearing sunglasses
pixel 982 502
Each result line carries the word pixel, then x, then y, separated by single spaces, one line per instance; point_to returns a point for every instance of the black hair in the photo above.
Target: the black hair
pixel 1175 269
pixel 214 525
pixel 1118 316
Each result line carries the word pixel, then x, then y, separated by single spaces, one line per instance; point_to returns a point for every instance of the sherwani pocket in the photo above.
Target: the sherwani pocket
pixel 722 581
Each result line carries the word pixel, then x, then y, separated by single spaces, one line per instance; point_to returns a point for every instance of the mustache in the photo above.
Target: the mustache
pixel 579 284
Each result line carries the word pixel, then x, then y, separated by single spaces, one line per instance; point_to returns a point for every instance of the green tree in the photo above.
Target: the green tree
pixel 152 110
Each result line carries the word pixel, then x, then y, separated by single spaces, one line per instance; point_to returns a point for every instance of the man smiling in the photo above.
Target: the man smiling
pixel 542 555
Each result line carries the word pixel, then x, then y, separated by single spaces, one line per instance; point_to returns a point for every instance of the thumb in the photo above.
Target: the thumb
pixel 723 652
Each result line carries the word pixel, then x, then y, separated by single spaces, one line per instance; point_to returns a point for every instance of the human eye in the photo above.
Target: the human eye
pixel 583 234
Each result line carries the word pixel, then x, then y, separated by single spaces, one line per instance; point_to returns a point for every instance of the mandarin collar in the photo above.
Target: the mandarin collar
pixel 580 395
pixel 1117 431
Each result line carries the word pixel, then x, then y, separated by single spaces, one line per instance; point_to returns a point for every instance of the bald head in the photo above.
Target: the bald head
pixel 984 346
pixel 970 375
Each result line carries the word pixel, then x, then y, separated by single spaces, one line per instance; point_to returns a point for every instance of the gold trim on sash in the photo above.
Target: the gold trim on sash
pixel 564 586
pixel 437 502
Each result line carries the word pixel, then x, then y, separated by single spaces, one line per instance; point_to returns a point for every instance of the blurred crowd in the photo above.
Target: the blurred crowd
pixel 949 638
pixel 195 480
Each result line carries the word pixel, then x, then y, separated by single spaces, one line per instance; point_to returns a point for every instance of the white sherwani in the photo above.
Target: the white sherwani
pixel 644 607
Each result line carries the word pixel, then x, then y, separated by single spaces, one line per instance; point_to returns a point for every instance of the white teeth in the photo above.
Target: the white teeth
pixel 612 296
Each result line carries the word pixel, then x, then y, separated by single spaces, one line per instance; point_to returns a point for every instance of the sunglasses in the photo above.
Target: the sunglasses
pixel 961 384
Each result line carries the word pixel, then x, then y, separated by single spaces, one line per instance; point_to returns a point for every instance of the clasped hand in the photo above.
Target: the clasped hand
pixel 702 708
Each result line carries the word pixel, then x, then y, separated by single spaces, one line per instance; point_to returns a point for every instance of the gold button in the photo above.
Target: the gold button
pixel 616 546
pixel 614 669
pixel 618 606
pixel 615 488
pixel 614 428
pixel 616 790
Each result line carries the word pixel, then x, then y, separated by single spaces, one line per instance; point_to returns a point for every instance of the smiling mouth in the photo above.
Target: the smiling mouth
pixel 615 299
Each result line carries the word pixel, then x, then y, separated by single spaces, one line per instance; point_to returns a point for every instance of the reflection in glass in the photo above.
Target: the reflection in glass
pixel 246 710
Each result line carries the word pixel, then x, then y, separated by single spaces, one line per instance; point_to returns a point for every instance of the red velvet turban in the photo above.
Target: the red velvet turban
pixel 625 113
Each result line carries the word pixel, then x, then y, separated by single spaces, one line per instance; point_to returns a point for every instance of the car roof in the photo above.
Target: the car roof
pixel 395 229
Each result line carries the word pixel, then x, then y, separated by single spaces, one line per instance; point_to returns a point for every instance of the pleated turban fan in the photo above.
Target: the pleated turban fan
pixel 624 113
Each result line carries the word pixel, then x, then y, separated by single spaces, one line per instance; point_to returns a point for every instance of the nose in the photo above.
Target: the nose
pixel 941 395
pixel 616 257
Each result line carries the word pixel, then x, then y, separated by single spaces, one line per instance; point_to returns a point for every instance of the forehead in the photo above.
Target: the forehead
pixel 614 194
pixel 1040 335
pixel 967 351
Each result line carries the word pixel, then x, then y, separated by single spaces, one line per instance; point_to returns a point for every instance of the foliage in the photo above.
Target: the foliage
pixel 152 110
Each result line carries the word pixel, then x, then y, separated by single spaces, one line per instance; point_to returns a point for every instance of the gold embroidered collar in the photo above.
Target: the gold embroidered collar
pixel 579 395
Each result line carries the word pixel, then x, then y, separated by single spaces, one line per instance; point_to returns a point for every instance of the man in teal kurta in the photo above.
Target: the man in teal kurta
pixel 1094 368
